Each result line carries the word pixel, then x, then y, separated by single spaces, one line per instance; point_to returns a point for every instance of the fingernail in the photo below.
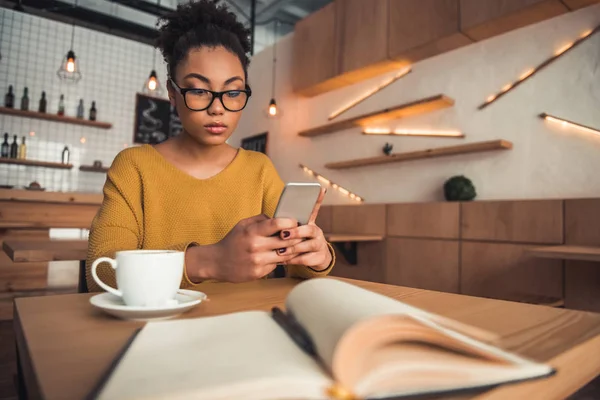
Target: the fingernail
pixel 286 234
pixel 282 250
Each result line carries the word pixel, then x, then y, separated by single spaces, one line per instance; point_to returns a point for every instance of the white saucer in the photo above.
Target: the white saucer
pixel 113 305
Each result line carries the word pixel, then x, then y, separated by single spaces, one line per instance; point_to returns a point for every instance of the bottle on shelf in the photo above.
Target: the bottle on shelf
pixel 23 149
pixel 43 103
pixel 93 111
pixel 9 98
pixel 61 105
pixel 80 109
pixel 25 99
pixel 14 148
pixel 65 155
pixel 5 148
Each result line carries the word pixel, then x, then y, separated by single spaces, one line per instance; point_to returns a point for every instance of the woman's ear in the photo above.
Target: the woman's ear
pixel 171 92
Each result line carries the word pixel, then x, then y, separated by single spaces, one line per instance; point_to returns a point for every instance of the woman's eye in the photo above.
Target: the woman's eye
pixel 199 92
pixel 234 93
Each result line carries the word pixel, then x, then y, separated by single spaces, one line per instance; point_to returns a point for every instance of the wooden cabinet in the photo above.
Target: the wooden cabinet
pixel 314 52
pixel 482 19
pixel 363 37
pixel 349 41
pixel 420 29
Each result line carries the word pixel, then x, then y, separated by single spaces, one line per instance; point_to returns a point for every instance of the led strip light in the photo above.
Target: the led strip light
pixel 567 123
pixel 337 187
pixel 412 132
pixel 532 71
pixel 370 93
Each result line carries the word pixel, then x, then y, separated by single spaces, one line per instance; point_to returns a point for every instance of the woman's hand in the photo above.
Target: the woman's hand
pixel 310 248
pixel 252 249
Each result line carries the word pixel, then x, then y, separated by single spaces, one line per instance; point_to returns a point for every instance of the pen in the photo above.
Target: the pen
pixel 294 330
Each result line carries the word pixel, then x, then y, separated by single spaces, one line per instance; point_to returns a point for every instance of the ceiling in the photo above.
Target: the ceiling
pixel 136 19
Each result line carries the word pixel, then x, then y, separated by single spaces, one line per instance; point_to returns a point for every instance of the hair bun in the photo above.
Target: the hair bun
pixel 192 20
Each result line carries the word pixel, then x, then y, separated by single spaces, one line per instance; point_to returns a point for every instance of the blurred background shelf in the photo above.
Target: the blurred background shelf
pixel 33 163
pixel 54 117
pixel 91 168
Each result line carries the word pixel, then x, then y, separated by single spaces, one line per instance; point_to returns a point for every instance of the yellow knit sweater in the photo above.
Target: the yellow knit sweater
pixel 150 204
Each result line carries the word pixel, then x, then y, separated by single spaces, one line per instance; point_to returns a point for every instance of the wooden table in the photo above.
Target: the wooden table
pixel 49 250
pixel 65 345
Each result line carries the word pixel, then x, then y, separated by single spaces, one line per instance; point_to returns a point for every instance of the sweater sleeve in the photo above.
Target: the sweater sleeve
pixel 118 224
pixel 273 187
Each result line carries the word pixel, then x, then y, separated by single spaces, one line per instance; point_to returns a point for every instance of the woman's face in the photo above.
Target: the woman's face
pixel 215 69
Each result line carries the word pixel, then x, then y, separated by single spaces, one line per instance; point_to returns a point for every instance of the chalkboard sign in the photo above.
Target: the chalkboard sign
pixel 155 120
pixel 256 143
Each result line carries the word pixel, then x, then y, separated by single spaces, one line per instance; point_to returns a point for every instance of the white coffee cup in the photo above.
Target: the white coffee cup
pixel 145 278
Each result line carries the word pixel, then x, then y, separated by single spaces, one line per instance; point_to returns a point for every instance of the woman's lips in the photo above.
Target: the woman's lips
pixel 216 129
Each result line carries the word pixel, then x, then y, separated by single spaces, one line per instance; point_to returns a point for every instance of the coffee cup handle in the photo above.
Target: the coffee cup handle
pixel 113 264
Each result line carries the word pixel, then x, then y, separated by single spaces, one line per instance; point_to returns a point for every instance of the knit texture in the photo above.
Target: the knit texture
pixel 151 204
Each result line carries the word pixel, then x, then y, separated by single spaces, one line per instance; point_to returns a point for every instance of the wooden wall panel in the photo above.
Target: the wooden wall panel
pixel 504 271
pixel 366 219
pixel 424 28
pixel 370 265
pixel 522 221
pixel 423 264
pixel 582 222
pixel 582 279
pixel 424 220
pixel 482 19
pixel 577 4
pixel 36 215
pixel 582 285
pixel 362 33
pixel 314 51
pixel 324 218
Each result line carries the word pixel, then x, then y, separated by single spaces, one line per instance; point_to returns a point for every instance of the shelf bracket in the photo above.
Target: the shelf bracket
pixel 348 250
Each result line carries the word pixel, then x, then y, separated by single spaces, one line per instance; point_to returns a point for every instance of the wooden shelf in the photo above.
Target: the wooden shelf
pixel 341 237
pixel 420 154
pixel 33 163
pixel 54 117
pixel 567 252
pixel 401 111
pixel 91 168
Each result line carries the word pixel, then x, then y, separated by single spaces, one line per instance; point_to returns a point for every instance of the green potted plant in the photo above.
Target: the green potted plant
pixel 459 188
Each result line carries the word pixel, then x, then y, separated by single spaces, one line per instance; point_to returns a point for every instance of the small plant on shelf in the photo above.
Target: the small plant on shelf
pixel 459 188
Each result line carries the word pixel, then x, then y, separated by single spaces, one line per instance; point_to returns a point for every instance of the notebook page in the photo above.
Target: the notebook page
pixel 328 308
pixel 241 355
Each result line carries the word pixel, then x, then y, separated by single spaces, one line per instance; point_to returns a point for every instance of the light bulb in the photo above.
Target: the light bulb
pixel 526 73
pixel 152 83
pixel 71 65
pixel 273 110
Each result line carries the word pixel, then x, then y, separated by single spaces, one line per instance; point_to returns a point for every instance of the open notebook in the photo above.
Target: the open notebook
pixel 368 346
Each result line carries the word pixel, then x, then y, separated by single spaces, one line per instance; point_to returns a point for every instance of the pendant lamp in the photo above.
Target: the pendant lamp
pixel 273 110
pixel 69 69
pixel 152 86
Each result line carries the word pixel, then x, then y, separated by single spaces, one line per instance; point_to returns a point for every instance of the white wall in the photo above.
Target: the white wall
pixel 113 70
pixel 546 162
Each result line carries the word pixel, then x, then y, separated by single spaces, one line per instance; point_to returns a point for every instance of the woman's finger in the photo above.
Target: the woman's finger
pixel 302 232
pixel 306 246
pixel 315 211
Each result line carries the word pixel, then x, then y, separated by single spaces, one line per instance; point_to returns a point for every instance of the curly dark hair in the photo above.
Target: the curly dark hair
pixel 201 23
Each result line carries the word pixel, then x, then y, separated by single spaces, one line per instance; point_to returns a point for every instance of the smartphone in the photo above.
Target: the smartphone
pixel 298 201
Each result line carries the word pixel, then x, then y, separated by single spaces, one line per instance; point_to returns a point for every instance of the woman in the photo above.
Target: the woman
pixel 194 192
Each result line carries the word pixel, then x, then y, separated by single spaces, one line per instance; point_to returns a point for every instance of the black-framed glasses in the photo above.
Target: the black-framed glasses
pixel 202 99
